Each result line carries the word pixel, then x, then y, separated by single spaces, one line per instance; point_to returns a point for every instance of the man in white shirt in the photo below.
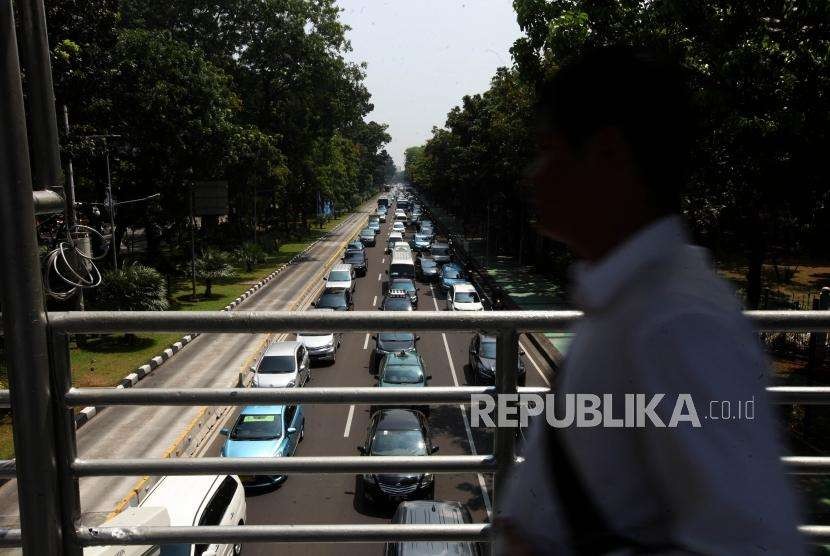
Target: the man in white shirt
pixel 613 148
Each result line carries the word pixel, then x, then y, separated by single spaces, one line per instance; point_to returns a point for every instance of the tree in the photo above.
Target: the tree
pixel 133 288
pixel 250 254
pixel 213 266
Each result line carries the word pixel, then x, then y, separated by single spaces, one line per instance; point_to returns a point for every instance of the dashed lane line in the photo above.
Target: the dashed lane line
pixel 349 421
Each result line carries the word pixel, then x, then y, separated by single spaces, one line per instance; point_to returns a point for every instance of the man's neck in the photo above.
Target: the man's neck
pixel 608 237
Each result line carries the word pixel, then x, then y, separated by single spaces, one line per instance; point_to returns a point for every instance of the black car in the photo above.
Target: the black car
pixel 426 269
pixel 429 512
pixel 440 253
pixel 390 342
pixel 483 361
pixel 396 432
pixel 339 300
pixel 357 259
pixel 367 237
pixel 355 244
pixel 396 300
pixel 407 285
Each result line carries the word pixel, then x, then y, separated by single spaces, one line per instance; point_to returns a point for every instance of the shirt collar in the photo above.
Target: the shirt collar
pixel 598 283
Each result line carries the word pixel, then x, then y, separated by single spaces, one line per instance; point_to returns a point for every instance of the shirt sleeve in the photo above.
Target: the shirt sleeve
pixel 722 482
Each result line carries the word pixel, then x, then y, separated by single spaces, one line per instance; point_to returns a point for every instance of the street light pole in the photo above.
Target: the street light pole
pixel 115 248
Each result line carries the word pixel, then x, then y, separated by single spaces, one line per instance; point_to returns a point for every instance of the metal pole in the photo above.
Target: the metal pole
pixel 65 442
pixel 507 357
pixel 113 241
pixel 24 319
pixel 45 157
pixel 71 216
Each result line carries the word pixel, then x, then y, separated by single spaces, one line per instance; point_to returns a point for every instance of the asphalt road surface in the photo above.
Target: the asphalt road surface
pixel 336 430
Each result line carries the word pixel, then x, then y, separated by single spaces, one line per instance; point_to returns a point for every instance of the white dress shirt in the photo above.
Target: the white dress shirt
pixel 658 320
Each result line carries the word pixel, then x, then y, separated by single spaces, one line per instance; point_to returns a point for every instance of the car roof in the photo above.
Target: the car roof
pixel 430 512
pixel 341 266
pixel 282 348
pixel 398 419
pixel 355 252
pixel 403 359
pixel 182 496
pixel 395 235
pixel 464 287
pixel 401 257
pixel 440 244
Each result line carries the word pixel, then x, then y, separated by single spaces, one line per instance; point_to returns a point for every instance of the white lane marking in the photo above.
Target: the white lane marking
pixel 379 275
pixel 535 366
pixel 482 485
pixel 349 421
pixel 383 260
pixel 366 341
pixel 374 302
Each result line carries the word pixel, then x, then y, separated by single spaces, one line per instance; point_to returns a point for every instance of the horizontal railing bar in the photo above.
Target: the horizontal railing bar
pixel 246 396
pixel 291 321
pixel 807 465
pixel 809 395
pixel 5 399
pixel 10 538
pixel 816 533
pixel 8 469
pixel 351 321
pixel 104 536
pixel 279 466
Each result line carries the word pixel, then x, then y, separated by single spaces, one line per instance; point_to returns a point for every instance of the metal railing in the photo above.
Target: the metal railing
pixel 506 324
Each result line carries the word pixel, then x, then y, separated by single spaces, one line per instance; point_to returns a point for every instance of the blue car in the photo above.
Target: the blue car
pixel 451 273
pixel 264 431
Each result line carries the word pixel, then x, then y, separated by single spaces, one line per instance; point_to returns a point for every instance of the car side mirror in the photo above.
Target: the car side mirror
pixel 473 350
pixel 225 432
pixel 386 272
pixel 374 337
pixel 291 430
pixel 252 369
pixel 521 352
pixel 428 377
pixel 433 449
pixel 362 450
pixel 417 338
pixel 314 304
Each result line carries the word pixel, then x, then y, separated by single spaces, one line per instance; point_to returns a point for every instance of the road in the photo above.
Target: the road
pixel 211 360
pixel 336 430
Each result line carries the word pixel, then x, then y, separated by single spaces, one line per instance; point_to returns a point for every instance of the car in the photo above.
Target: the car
pixel 440 253
pixel 400 215
pixel 374 224
pixel 355 244
pixel 381 216
pixel 340 277
pixel 401 247
pixel 390 342
pixel 339 300
pixel 450 274
pixel 264 431
pixel 403 369
pixel 367 237
pixel 429 512
pixel 427 269
pixel 482 360
pixel 401 265
pixel 424 223
pixel 382 209
pixel 420 242
pixel 396 300
pixel 399 227
pixel 394 238
pixel 396 432
pixel 321 345
pixel 357 259
pixel 283 365
pixel 407 285
pixel 462 296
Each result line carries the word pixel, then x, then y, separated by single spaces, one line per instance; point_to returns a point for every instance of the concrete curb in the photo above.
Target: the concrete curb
pixel 86 414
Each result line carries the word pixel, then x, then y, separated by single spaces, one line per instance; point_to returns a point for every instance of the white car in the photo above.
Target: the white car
pixel 321 346
pixel 341 277
pixel 394 237
pixel 399 227
pixel 182 502
pixel 283 365
pixel 464 297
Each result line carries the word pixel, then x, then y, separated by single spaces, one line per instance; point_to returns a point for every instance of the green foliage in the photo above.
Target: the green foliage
pixel 134 288
pixel 214 266
pixel 250 254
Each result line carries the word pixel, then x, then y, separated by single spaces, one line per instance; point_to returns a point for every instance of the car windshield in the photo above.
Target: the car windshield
pixel 466 297
pixel 257 427
pixel 402 337
pixel 354 258
pixel 421 237
pixel 398 443
pixel 488 350
pixel 440 251
pixel 403 374
pixel 406 285
pixel 367 232
pixel 428 263
pixel 306 334
pixel 397 304
pixel 331 300
pixel 451 272
pixel 339 276
pixel 274 364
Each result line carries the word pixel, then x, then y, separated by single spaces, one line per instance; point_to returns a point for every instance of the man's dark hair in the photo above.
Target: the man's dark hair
pixel 643 96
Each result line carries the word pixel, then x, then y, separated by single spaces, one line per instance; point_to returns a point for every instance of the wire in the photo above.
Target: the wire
pixel 87 276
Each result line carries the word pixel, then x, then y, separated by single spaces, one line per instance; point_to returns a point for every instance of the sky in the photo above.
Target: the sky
pixel 424 55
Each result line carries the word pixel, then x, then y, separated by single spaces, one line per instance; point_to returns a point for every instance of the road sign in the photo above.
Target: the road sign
pixel 210 198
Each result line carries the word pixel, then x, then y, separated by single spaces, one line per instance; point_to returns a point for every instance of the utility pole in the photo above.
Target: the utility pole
pixel 71 215
pixel 192 241
pixel 115 248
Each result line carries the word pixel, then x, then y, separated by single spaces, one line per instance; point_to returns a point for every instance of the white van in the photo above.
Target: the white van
pixel 394 238
pixel 340 277
pixel 183 501
pixel 401 265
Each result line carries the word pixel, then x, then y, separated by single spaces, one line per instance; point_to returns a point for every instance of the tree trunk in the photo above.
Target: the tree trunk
pixel 208 286
pixel 755 261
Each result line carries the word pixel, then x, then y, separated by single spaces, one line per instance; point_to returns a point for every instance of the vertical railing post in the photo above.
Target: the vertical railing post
pixel 61 378
pixel 507 357
pixel 24 318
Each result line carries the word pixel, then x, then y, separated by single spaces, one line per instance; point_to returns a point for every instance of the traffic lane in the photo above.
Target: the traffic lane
pixel 330 430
